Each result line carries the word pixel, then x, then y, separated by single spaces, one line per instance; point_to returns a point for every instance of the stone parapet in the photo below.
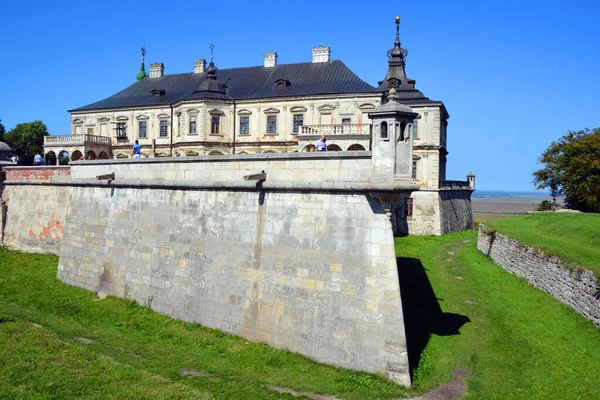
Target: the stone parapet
pixel 575 286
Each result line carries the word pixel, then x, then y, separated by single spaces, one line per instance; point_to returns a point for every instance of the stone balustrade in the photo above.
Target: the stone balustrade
pixel 76 139
pixel 336 129
pixel 455 184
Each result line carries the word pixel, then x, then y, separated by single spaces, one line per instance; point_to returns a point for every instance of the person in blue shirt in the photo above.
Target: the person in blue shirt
pixel 136 150
pixel 37 160
pixel 321 144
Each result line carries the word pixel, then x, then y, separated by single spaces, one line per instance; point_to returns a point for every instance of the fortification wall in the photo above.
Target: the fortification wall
pixel 426 213
pixel 576 287
pixel 456 211
pixel 312 272
pixel 35 213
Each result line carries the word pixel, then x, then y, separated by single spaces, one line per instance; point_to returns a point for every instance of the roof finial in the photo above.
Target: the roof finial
pixel 212 46
pixel 142 74
pixel 398 29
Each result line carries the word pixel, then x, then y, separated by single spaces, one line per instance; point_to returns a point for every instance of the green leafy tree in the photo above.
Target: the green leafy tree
pixel 572 169
pixel 2 130
pixel 27 139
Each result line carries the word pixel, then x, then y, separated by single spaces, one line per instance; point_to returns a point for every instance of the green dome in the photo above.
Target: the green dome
pixel 142 74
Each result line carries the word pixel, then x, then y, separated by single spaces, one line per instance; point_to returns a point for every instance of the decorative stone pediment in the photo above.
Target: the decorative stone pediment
pixel 142 117
pixel 78 121
pixel 191 153
pixel 103 119
pixel 215 112
pixel 122 118
pixel 162 116
pixel 271 110
pixel 244 111
pixel 326 109
pixel 298 109
pixel 192 111
pixel 366 107
pixel 121 155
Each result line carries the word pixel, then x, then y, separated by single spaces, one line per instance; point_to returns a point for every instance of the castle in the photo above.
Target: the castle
pixel 273 108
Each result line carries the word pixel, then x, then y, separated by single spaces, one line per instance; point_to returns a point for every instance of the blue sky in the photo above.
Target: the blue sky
pixel 514 75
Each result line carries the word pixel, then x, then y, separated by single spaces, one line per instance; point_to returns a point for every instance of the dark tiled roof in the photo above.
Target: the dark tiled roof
pixel 242 83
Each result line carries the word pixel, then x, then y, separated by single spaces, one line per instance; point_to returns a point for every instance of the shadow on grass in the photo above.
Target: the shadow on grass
pixel 423 315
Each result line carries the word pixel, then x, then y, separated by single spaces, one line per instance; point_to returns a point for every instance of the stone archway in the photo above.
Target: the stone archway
pixel 308 147
pixel 334 147
pixel 103 156
pixel 50 158
pixel 63 158
pixel 90 155
pixel 76 156
pixel 215 153
pixel 356 147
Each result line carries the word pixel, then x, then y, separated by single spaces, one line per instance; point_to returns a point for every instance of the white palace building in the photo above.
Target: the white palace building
pixel 271 108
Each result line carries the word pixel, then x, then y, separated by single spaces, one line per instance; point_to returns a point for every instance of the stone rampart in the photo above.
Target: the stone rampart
pixel 456 211
pixel 304 260
pixel 576 286
pixel 34 213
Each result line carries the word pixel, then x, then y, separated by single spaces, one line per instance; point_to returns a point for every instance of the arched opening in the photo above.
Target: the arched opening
pixel 334 147
pixel 243 152
pixel 356 147
pixel 50 158
pixel 384 130
pixel 269 151
pixel 76 156
pixel 63 158
pixel 308 147
pixel 103 156
pixel 402 132
pixel 90 155
pixel 215 153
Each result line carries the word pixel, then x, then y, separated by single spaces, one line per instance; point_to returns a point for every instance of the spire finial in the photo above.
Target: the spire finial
pixel 143 53
pixel 398 29
pixel 212 46
pixel 142 74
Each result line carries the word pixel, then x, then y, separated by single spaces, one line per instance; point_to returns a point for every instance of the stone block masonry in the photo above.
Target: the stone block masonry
pixel 576 287
pixel 311 272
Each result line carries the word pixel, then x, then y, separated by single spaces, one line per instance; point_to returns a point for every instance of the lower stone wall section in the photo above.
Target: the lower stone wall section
pixel 457 214
pixel 314 273
pixel 576 287
pixel 35 217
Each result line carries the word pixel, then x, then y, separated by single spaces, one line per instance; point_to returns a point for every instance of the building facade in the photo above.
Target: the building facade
pixel 272 108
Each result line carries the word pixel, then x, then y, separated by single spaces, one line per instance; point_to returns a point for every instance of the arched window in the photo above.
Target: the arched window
pixel 384 130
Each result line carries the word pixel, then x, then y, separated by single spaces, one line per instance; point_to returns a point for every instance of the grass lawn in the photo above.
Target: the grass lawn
pixel 58 341
pixel 518 343
pixel 574 237
pixel 482 218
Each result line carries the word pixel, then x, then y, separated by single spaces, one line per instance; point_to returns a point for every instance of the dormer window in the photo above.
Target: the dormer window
pixel 282 83
pixel 157 92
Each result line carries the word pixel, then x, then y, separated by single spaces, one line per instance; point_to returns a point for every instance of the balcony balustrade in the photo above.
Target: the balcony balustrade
pixel 338 129
pixel 76 140
pixel 455 184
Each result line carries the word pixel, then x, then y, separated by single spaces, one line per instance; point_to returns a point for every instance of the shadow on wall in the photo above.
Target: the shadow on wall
pixel 423 315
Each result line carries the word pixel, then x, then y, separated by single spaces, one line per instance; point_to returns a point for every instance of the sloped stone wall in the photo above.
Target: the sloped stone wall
pixel 576 287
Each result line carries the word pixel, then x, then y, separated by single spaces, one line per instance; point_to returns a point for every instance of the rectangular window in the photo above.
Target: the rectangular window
pixel 414 170
pixel 192 125
pixel 271 124
pixel 142 129
pixel 164 128
pixel 103 130
pixel 121 132
pixel 415 129
pixel 90 131
pixel 214 125
pixel 346 121
pixel 298 122
pixel 244 125
pixel 408 208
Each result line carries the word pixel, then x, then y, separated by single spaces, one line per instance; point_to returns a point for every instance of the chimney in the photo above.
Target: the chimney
pixel 157 70
pixel 321 54
pixel 270 59
pixel 199 66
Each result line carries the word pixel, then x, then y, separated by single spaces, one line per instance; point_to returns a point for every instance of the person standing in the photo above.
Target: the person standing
pixel 37 160
pixel 136 151
pixel 321 144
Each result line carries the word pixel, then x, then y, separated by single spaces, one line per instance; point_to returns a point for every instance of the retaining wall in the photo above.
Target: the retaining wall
pixel 576 287
pixel 35 214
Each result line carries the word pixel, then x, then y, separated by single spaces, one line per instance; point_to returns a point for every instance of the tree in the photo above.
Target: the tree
pixel 572 169
pixel 2 130
pixel 27 139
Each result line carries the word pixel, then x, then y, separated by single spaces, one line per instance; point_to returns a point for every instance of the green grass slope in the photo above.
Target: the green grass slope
pixel 573 237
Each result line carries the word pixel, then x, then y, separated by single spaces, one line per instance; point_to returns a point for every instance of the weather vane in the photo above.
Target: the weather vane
pixel 143 53
pixel 212 46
